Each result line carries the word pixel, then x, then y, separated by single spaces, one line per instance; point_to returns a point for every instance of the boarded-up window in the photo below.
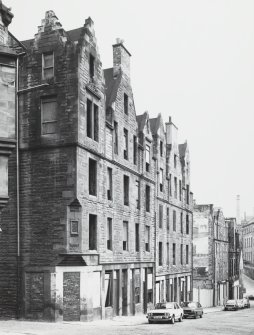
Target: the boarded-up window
pixel 125 150
pixel 47 65
pixel 138 193
pixel 109 186
pixel 92 177
pixel 147 238
pixel 160 254
pixel 174 220
pixel 92 120
pixel 167 218
pixel 174 254
pixel 137 237
pixel 92 232
pixel 125 235
pixel 160 216
pixel 161 180
pixel 187 254
pixel 48 116
pixel 147 158
pixel 135 149
pixel 147 198
pixel 109 233
pixel 126 104
pixel 126 190
pixel 116 138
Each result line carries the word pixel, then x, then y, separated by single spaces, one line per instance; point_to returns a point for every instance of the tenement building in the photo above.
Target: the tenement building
pixel 174 214
pixel 247 230
pixel 91 195
pixel 210 256
pixel 233 259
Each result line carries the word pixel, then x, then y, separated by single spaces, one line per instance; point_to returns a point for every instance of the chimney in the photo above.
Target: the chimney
pixel 171 133
pixel 238 215
pixel 121 59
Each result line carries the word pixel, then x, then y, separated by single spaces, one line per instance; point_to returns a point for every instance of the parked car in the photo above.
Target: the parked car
pixel 231 305
pixel 192 309
pixel 246 302
pixel 240 303
pixel 165 311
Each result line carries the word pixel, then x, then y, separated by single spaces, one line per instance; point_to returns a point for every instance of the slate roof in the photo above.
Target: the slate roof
pixel 111 85
pixel 155 124
pixel 182 149
pixel 73 34
pixel 141 121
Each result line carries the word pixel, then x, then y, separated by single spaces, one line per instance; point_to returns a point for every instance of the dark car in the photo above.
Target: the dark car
pixel 246 302
pixel 231 305
pixel 192 309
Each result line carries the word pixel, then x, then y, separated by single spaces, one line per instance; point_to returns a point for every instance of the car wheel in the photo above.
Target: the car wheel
pixel 149 321
pixel 181 318
pixel 195 316
pixel 201 315
pixel 172 321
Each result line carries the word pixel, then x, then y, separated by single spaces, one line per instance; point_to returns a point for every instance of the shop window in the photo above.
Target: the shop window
pixel 108 289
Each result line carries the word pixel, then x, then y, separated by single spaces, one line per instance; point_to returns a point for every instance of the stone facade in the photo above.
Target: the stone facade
pixel 89 193
pixel 247 232
pixel 234 258
pixel 173 214
pixel 211 255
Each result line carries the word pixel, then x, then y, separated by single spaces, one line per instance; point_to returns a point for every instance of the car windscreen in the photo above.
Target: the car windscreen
pixel 164 306
pixel 189 304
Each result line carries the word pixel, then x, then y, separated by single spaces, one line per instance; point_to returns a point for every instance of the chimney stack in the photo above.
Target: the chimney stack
pixel 121 59
pixel 171 133
pixel 238 215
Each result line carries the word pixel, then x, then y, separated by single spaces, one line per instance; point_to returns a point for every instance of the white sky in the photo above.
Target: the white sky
pixel 193 60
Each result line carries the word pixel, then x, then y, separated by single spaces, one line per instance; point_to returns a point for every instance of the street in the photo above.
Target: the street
pixel 217 322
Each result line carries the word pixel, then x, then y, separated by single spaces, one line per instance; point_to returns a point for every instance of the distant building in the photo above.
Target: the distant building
pixel 210 256
pixel 247 229
pixel 234 258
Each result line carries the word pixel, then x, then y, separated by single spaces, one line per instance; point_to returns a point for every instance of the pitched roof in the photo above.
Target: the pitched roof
pixel 73 34
pixel 111 85
pixel 182 149
pixel 141 121
pixel 154 125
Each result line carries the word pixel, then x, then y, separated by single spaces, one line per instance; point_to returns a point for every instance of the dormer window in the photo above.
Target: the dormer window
pixel 91 66
pixel 48 65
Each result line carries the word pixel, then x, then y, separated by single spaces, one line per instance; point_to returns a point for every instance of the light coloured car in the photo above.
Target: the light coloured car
pixel 165 311
pixel 231 305
pixel 240 303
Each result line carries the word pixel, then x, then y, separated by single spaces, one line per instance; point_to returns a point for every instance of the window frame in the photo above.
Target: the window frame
pixel 43 101
pixel 48 67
